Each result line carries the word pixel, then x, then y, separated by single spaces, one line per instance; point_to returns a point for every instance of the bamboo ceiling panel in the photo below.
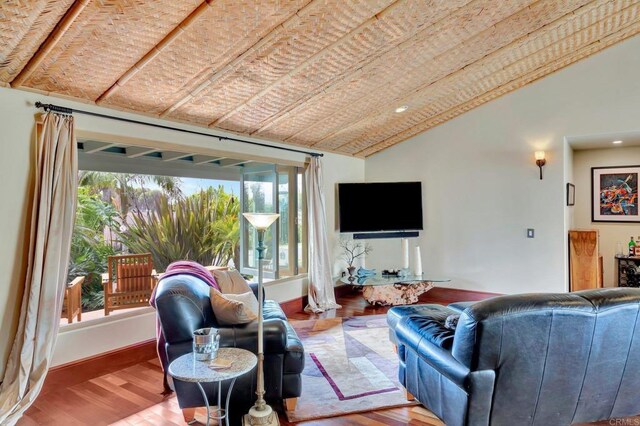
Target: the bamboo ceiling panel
pixel 207 44
pixel 319 25
pixel 24 25
pixel 377 82
pixel 105 40
pixel 321 73
pixel 430 69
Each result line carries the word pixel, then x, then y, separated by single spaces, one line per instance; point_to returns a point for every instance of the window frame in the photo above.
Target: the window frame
pixel 293 267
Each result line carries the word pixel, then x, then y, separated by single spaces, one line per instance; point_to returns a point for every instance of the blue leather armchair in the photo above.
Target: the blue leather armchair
pixel 183 305
pixel 537 359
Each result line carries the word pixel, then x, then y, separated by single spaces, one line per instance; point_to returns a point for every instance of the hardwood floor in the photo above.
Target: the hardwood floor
pixel 131 393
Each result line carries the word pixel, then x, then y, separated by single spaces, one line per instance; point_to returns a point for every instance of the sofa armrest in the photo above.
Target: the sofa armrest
pixel 245 336
pixel 408 334
pixel 459 307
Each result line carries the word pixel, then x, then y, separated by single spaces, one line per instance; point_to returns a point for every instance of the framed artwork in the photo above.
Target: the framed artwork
pixel 614 194
pixel 571 194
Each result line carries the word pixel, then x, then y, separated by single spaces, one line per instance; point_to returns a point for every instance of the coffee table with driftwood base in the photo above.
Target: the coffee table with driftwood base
pixel 384 290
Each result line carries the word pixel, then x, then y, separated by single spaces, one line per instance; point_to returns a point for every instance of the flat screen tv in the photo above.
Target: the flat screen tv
pixel 373 207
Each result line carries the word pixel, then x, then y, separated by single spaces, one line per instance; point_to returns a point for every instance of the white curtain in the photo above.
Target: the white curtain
pixel 321 292
pixel 52 220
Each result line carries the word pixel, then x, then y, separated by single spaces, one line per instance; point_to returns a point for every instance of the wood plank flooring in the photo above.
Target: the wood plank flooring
pixel 132 394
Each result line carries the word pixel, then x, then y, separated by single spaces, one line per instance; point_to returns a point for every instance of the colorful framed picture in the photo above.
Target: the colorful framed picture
pixel 571 194
pixel 614 194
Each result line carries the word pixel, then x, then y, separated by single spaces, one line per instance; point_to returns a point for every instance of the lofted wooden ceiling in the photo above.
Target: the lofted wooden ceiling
pixel 326 74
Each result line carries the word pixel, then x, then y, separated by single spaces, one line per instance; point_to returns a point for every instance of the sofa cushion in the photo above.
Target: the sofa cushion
pixel 431 330
pixel 395 314
pixel 294 355
pixel 271 309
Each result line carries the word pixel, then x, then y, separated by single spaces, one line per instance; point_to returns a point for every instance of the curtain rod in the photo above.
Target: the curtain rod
pixel 65 110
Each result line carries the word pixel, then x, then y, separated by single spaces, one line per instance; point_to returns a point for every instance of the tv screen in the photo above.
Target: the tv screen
pixel 372 207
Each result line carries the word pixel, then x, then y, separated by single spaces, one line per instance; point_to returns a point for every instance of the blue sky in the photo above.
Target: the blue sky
pixel 193 185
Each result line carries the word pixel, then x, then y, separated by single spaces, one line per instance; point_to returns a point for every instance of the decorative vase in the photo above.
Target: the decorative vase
pixel 351 270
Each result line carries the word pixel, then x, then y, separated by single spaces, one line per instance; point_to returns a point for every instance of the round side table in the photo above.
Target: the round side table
pixel 187 369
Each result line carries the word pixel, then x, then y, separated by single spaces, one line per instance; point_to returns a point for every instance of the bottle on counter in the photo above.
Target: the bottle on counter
pixel 632 247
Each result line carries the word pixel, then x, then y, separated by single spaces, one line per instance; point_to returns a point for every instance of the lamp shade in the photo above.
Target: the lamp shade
pixel 539 155
pixel 261 221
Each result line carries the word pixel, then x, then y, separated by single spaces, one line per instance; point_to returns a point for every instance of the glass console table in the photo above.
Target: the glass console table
pixel 391 290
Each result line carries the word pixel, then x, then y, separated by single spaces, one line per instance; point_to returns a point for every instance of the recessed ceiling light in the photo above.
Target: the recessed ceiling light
pixel 402 108
pixel 617 142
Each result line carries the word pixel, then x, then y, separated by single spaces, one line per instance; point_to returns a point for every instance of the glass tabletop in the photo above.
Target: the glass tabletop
pixel 391 279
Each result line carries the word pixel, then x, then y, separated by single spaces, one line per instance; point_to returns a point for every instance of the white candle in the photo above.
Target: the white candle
pixel 417 268
pixel 405 253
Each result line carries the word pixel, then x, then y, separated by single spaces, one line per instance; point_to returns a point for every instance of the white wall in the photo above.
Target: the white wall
pixel 480 183
pixel 610 233
pixel 16 166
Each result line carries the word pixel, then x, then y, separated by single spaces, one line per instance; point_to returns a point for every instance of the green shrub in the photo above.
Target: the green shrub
pixel 89 249
pixel 203 227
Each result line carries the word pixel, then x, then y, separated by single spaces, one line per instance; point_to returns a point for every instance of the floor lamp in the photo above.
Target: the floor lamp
pixel 260 414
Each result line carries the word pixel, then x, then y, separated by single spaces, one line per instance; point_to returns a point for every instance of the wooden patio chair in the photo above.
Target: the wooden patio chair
pixel 72 304
pixel 131 280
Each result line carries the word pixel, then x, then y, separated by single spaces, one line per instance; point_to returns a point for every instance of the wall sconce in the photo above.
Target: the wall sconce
pixel 540 161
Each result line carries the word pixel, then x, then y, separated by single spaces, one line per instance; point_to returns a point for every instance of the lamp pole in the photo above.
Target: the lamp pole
pixel 261 414
pixel 260 403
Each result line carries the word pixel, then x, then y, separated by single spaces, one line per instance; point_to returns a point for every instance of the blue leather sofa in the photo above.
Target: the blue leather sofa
pixel 536 359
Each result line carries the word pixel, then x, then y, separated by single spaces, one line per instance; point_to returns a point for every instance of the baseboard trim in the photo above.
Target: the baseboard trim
pixel 297 305
pixel 145 347
pixel 74 372
pixel 450 295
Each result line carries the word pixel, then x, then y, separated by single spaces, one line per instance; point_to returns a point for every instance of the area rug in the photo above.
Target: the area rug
pixel 350 367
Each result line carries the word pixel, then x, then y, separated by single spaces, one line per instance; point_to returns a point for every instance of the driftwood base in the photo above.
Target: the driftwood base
pixel 395 294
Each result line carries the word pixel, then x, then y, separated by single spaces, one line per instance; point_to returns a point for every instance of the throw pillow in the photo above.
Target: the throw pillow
pixel 231 309
pixel 451 322
pixel 231 282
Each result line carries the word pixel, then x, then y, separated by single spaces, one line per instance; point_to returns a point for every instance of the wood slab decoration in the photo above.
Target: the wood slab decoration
pixel 584 260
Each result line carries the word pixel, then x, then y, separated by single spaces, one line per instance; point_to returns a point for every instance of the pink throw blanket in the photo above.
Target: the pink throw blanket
pixel 177 268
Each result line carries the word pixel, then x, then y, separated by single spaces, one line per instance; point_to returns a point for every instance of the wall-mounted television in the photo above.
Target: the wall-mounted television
pixel 380 206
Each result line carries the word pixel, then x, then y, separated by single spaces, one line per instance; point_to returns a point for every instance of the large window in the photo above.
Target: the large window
pixel 122 213
pixel 135 200
pixel 275 189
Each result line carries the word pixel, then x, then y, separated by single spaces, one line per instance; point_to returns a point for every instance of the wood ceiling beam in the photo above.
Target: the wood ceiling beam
pixel 522 80
pixel 235 63
pixel 52 40
pixel 137 151
pixel 205 159
pixel 155 51
pixel 350 72
pixel 173 156
pixel 92 147
pixel 473 43
pixel 231 162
